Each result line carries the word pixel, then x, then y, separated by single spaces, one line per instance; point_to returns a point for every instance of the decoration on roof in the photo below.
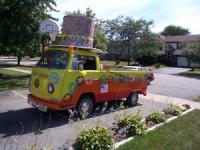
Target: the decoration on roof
pixel 79 31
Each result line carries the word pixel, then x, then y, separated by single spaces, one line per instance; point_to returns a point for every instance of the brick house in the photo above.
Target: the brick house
pixel 172 49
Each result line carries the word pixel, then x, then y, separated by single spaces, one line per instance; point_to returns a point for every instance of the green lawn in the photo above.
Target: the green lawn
pixel 197 99
pixel 17 67
pixel 23 68
pixel 192 73
pixel 13 80
pixel 154 66
pixel 125 63
pixel 180 134
pixel 112 63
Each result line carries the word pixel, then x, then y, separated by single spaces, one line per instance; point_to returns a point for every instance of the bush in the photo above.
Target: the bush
pixel 156 118
pixel 173 110
pixel 117 62
pixel 97 138
pixel 157 65
pixel 134 124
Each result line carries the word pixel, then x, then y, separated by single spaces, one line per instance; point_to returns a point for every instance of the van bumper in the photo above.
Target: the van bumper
pixel 45 105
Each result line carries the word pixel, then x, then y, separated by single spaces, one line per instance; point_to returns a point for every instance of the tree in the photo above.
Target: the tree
pixel 135 35
pixel 100 39
pixel 192 51
pixel 19 25
pixel 175 30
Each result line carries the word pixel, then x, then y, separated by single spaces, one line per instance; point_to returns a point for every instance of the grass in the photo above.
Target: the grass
pixel 112 63
pixel 13 80
pixel 24 68
pixel 154 66
pixel 17 67
pixel 197 99
pixel 125 63
pixel 195 73
pixel 180 134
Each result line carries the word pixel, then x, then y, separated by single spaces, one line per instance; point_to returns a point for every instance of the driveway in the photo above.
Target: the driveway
pixel 167 82
pixel 22 125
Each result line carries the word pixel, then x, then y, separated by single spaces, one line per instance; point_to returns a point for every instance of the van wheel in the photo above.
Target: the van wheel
pixel 133 99
pixel 85 106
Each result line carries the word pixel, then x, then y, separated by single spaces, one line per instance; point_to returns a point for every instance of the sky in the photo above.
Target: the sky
pixel 185 13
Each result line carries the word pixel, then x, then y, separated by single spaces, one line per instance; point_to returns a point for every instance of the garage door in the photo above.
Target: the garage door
pixel 182 62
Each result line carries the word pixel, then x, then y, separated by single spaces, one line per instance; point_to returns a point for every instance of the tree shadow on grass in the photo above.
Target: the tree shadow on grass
pixel 13 65
pixel 8 82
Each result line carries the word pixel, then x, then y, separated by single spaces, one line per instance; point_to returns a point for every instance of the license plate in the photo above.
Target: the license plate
pixel 42 108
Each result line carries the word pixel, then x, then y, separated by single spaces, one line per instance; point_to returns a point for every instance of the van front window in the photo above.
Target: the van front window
pixel 54 59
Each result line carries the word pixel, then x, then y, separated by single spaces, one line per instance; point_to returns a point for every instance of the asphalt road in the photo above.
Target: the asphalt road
pixel 22 125
pixel 167 82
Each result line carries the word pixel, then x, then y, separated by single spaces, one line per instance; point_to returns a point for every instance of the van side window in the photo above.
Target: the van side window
pixel 75 62
pixel 81 62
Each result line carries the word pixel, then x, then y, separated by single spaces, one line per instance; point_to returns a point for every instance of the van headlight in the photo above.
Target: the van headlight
pixel 37 83
pixel 51 88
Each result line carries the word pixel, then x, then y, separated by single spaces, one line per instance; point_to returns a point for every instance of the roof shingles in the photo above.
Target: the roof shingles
pixel 182 38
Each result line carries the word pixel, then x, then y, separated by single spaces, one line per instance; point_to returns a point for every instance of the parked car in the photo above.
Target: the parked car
pixel 149 76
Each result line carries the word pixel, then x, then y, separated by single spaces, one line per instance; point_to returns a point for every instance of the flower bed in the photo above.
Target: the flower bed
pixel 157 119
pixel 125 128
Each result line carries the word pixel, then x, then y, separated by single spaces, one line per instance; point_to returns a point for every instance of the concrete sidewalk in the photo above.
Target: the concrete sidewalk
pixel 167 99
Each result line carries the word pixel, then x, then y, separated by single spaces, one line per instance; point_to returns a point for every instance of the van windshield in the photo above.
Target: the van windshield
pixel 54 59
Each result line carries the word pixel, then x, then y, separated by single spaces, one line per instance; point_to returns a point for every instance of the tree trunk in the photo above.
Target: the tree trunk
pixel 14 55
pixel 189 63
pixel 18 60
pixel 129 53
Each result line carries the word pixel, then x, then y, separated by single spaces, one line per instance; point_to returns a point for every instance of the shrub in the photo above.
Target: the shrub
pixel 117 62
pixel 157 65
pixel 97 138
pixel 173 110
pixel 133 124
pixel 156 118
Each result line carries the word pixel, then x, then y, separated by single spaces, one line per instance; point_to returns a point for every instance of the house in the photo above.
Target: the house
pixel 172 50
